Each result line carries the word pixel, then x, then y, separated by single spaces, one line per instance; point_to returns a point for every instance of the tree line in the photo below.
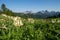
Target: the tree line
pixel 5 10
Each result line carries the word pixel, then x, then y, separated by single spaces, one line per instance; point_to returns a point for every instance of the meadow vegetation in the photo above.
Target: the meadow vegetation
pixel 40 29
pixel 18 28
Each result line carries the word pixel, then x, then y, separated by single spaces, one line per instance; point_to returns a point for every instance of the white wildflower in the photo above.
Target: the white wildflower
pixel 17 21
pixel 31 20
pixel 53 21
pixel 3 26
pixel 4 15
pixel 11 17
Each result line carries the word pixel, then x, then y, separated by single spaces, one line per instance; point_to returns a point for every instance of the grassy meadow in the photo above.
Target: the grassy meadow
pixel 17 28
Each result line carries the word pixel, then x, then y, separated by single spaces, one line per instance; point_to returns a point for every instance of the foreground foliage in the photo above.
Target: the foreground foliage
pixel 41 29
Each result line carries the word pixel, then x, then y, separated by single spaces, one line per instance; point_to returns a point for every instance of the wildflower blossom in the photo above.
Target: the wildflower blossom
pixel 53 21
pixel 17 21
pixel 3 27
pixel 31 20
pixel 4 15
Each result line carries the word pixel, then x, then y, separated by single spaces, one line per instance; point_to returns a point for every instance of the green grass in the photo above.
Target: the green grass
pixel 39 30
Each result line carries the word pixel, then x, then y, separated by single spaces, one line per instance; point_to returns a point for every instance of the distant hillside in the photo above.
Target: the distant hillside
pixel 40 14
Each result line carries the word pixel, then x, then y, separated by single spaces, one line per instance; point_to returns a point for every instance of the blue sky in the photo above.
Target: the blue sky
pixel 31 5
